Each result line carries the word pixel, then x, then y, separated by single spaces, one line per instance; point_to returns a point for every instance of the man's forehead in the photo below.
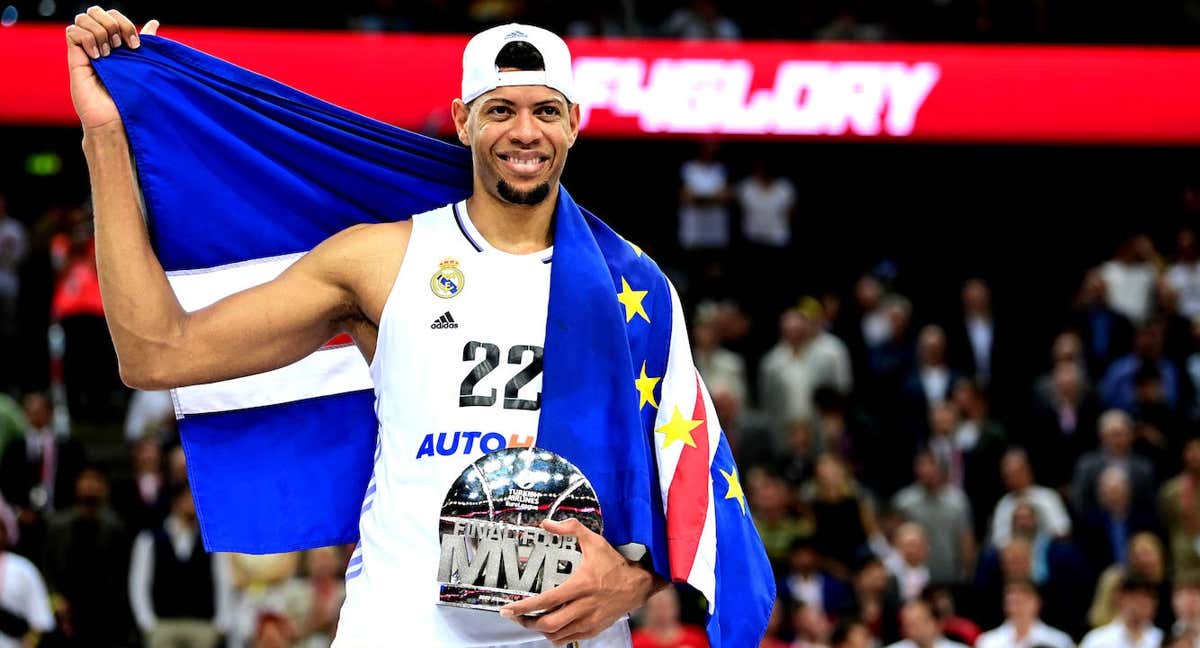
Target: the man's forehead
pixel 525 94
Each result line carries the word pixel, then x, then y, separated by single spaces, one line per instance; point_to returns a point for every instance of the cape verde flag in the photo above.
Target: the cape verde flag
pixel 241 176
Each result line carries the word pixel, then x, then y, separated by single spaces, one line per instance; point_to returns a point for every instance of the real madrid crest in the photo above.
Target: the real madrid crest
pixel 448 281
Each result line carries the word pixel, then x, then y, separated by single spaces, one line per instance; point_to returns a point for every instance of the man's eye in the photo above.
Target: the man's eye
pixel 499 110
pixel 549 110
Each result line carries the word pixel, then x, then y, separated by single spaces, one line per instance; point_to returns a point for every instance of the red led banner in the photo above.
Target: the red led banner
pixel 648 88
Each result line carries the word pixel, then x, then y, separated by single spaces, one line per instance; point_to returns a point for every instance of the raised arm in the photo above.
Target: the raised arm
pixel 159 345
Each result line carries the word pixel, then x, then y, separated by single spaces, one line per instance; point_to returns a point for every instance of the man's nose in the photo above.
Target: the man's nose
pixel 525 130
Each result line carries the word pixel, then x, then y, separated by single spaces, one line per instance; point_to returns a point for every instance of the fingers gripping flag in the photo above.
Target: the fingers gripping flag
pixel 242 175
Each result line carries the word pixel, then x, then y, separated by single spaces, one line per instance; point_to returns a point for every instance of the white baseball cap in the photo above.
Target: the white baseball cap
pixel 480 73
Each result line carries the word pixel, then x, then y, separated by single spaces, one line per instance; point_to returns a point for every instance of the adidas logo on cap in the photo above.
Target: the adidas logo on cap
pixel 515 34
pixel 446 321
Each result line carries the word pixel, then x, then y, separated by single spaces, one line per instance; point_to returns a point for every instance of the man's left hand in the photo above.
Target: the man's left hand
pixel 604 587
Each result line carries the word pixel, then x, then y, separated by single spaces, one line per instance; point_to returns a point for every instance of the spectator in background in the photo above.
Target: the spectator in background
pixel 268 598
pixel 807 584
pixel 921 628
pixel 87 566
pixel 768 203
pixel 877 601
pixel 13 246
pixel 909 566
pixel 972 346
pixel 719 367
pixel 1107 333
pixel 851 633
pixel 1109 527
pixel 954 626
pixel 143 500
pixel 1177 329
pixel 326 593
pixel 180 593
pixel 1179 512
pixel 890 360
pixel 701 20
pixel 980 441
pixel 1118 388
pixel 944 513
pixel 704 201
pixel 805 358
pixel 1130 277
pixel 24 602
pixel 844 517
pixel 1144 564
pixel 810 626
pixel 1184 274
pixel 1185 603
pixel 1133 626
pixel 1066 349
pixel 1116 448
pixel 1017 474
pixel 778 526
pixel 1063 420
pixel 38 473
pixel 930 381
pixel 661 627
pixel 1022 627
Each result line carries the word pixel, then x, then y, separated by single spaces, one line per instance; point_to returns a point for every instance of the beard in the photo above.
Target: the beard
pixel 515 196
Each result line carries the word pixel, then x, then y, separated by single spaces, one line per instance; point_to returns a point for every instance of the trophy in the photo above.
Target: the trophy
pixel 492 550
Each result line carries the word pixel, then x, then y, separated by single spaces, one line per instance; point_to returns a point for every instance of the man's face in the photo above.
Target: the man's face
pixel 918 624
pixel 1137 607
pixel 519 137
pixel 1021 604
pixel 1015 472
pixel 1185 601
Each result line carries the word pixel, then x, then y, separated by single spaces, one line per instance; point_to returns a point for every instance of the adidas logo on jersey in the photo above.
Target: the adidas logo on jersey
pixel 446 321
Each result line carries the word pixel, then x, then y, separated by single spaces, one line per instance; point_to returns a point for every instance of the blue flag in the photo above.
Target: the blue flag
pixel 242 175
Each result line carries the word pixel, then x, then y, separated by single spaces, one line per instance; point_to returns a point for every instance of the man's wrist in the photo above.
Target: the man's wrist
pixel 108 134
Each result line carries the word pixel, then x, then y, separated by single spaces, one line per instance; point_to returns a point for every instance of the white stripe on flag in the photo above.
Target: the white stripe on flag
pixel 329 371
pixel 678 390
pixel 704 570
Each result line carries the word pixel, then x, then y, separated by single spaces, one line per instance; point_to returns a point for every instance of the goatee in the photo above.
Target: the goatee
pixel 515 196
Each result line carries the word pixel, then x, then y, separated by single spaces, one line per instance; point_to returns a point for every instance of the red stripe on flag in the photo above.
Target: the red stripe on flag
pixel 340 340
pixel 687 496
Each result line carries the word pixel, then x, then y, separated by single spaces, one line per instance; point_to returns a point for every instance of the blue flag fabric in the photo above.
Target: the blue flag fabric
pixel 235 168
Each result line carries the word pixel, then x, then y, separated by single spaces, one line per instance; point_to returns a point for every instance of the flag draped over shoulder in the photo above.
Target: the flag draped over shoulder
pixel 242 175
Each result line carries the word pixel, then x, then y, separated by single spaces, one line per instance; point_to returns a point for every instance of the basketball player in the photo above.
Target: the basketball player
pixel 427 301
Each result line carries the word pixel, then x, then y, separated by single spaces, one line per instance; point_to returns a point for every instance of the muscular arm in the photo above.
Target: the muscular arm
pixel 159 345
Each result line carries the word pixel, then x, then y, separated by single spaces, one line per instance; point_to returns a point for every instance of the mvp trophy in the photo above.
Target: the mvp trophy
pixel 492 550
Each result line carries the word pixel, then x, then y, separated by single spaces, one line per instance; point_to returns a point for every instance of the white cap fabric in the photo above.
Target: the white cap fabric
pixel 480 73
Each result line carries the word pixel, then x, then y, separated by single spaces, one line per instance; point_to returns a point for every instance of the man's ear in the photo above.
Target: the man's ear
pixel 460 112
pixel 573 116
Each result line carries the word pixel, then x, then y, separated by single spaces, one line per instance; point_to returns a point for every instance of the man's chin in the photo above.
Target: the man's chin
pixel 529 196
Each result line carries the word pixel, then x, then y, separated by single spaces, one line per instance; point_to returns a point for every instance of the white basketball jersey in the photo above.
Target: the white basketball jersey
pixel 457 372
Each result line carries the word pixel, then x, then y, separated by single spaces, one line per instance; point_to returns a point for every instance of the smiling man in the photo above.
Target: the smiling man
pixel 490 257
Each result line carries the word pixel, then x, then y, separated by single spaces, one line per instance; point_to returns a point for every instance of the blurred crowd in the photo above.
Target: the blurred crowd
pixel 1162 21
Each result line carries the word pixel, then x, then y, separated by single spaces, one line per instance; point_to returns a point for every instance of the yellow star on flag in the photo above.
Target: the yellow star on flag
pixel 735 488
pixel 679 428
pixel 637 250
pixel 632 300
pixel 645 386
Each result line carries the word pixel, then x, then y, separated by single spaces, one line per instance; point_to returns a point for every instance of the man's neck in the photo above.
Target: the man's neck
pixel 516 229
pixel 1022 628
